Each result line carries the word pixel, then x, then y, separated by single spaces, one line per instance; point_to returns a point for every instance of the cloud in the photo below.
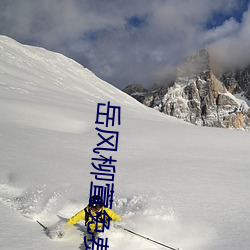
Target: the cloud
pixel 121 41
pixel 232 50
pixel 228 28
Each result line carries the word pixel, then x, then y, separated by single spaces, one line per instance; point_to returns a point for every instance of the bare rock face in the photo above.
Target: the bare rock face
pixel 237 81
pixel 137 91
pixel 199 97
pixel 134 88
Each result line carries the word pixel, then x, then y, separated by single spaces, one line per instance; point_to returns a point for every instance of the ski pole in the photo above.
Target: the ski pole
pixel 150 239
pixel 45 228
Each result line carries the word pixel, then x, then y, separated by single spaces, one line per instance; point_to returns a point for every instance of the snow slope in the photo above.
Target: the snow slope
pixel 179 184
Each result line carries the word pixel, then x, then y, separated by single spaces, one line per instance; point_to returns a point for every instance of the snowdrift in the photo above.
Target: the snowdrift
pixel 182 185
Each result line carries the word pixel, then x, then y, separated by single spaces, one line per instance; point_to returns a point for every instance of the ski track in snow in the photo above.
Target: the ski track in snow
pixel 32 204
pixel 143 214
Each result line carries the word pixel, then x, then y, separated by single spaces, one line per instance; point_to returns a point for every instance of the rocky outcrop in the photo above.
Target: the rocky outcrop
pixel 237 81
pixel 199 96
pixel 137 91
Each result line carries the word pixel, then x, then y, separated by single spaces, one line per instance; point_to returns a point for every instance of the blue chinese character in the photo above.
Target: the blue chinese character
pixel 99 242
pixel 101 220
pixel 107 114
pixel 105 193
pixel 108 145
pixel 104 159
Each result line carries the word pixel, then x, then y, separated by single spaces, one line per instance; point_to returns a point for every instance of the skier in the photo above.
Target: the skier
pixel 96 216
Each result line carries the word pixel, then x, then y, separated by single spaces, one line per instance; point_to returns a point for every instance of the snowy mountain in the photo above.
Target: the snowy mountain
pixel 182 185
pixel 201 96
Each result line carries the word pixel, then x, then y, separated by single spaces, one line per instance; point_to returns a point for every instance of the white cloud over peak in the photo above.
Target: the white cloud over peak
pixel 233 49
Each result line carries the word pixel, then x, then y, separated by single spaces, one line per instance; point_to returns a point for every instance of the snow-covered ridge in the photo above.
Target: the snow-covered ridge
pixel 33 74
pixel 182 185
pixel 32 68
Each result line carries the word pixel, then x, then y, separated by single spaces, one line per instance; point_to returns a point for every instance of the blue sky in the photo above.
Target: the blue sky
pixel 218 17
pixel 131 41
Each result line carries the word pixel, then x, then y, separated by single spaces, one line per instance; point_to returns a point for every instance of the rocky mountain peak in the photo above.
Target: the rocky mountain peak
pixel 196 64
pixel 200 96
